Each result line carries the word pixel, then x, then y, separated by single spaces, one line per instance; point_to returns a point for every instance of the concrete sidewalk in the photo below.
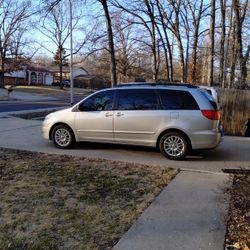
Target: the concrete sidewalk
pixel 188 215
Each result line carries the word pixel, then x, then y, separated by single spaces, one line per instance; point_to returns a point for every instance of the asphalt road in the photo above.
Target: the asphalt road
pixel 10 106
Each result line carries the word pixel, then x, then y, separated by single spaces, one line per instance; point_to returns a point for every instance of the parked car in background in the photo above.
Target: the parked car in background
pixel 65 83
pixel 175 118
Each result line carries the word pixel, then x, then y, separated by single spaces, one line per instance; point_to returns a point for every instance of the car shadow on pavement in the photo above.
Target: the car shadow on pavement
pixel 219 154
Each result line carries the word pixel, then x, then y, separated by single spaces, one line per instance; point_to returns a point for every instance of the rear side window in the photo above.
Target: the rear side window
pixel 137 99
pixel 210 98
pixel 178 100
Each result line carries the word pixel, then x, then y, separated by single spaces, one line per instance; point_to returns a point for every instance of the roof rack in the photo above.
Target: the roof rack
pixel 156 84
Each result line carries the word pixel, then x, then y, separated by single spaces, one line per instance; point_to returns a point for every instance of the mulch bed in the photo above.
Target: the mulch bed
pixel 238 227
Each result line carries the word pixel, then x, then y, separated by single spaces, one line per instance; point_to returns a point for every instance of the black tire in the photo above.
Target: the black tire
pixel 174 145
pixel 63 137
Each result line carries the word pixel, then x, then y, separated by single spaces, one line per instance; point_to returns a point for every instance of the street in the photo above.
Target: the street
pixel 10 106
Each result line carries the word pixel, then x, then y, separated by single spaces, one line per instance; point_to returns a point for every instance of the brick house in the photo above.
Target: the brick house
pixel 29 75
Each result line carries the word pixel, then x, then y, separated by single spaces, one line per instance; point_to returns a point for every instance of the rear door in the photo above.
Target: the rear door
pixel 137 118
pixel 180 109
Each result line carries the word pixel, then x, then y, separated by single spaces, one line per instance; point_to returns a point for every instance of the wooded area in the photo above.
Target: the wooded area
pixel 199 42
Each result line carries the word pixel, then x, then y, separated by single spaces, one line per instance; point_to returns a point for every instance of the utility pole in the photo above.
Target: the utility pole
pixel 71 55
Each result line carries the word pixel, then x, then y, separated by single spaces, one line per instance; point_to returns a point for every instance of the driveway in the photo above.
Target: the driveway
pixel 233 152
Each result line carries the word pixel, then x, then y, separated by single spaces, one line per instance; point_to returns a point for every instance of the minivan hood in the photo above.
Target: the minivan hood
pixel 56 113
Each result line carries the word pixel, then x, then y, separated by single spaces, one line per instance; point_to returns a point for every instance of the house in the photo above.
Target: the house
pixel 89 82
pixel 66 73
pixel 29 75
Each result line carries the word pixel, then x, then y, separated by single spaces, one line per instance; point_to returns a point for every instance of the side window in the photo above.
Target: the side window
pixel 137 99
pixel 98 102
pixel 177 99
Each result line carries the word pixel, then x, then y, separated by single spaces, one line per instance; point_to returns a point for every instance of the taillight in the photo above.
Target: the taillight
pixel 211 114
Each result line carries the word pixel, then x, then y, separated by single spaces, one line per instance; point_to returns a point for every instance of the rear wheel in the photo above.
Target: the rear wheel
pixel 62 136
pixel 173 145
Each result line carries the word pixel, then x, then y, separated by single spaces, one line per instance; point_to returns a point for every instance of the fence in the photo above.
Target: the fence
pixel 235 110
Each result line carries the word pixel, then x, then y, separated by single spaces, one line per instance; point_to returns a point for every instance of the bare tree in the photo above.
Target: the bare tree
pixel 196 14
pixel 165 41
pixel 222 42
pixel 144 14
pixel 124 46
pixel 55 26
pixel 104 4
pixel 13 15
pixel 233 56
pixel 239 14
pixel 211 45
pixel 160 31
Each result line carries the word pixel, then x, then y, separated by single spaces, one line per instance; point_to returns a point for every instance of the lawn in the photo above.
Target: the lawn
pixel 62 202
pixel 51 90
pixel 238 226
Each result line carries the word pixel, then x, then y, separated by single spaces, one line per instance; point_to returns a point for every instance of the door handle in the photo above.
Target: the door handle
pixel 108 114
pixel 119 114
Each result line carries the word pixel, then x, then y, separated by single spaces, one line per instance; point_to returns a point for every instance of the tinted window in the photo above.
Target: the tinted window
pixel 137 99
pixel 177 99
pixel 210 98
pixel 98 102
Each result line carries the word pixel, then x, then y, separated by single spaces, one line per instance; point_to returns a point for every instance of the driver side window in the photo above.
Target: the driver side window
pixel 99 102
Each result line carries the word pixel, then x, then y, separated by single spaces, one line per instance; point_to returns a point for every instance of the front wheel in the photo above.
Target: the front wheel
pixel 173 145
pixel 62 136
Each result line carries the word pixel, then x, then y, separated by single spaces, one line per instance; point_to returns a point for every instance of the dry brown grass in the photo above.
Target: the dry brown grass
pixel 235 110
pixel 62 202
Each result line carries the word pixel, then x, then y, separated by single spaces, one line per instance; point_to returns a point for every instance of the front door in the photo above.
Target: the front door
pixel 94 119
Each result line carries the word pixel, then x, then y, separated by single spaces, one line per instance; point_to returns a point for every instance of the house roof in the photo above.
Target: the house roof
pixel 66 69
pixel 88 77
pixel 37 68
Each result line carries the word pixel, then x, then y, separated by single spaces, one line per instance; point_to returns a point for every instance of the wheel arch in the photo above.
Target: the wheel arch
pixel 174 130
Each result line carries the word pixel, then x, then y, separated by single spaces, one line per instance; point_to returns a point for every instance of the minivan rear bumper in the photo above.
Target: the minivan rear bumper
pixel 205 139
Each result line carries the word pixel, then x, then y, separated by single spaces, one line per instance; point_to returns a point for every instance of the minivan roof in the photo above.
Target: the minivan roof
pixel 154 84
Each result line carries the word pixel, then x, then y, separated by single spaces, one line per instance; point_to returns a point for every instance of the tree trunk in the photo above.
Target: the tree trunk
pixel 2 75
pixel 194 56
pixel 181 59
pixel 1 79
pixel 165 53
pixel 233 57
pixel 238 26
pixel 61 67
pixel 222 43
pixel 211 46
pixel 167 47
pixel 196 23
pixel 225 83
pixel 187 56
pixel 2 57
pixel 150 12
pixel 111 42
